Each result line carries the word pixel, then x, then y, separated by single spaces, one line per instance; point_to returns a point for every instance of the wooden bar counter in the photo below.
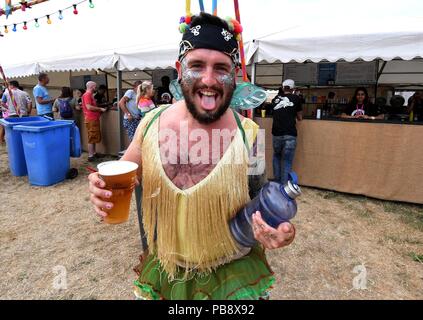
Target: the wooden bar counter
pixel 374 158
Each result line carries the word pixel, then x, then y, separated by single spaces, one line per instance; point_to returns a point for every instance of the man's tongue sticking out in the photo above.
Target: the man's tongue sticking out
pixel 208 101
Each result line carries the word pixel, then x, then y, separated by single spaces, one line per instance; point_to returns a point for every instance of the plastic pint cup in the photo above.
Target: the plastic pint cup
pixel 119 177
pixel 263 113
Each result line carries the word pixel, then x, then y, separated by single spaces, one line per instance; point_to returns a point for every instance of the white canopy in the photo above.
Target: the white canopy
pixel 128 34
pixel 333 40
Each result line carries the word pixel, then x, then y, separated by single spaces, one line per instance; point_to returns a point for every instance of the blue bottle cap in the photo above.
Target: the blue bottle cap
pixel 291 188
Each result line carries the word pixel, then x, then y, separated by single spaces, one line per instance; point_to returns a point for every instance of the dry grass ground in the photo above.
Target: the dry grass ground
pixel 41 228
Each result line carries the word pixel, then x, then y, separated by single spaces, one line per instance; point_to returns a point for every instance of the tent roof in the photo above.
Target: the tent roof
pixel 333 40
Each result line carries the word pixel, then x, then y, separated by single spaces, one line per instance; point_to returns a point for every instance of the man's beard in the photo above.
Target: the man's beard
pixel 206 117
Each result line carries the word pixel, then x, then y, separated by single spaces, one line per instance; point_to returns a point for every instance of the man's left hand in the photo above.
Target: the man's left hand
pixel 272 238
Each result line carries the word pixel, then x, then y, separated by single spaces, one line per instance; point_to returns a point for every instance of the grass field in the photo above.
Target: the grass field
pixel 347 247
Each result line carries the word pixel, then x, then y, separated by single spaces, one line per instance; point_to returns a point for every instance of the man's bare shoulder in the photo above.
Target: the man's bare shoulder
pixel 174 113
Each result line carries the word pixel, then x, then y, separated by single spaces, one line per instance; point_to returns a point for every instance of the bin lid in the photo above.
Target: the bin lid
pixel 11 122
pixel 42 126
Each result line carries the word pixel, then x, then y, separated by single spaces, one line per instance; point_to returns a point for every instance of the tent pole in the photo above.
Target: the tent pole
pixel 250 113
pixel 253 73
pixel 379 71
pixel 377 77
pixel 119 95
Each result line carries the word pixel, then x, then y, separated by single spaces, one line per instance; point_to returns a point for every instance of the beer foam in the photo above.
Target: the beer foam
pixel 111 168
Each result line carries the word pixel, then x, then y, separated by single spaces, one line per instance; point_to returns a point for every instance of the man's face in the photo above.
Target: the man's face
pixel 208 82
pixel 45 80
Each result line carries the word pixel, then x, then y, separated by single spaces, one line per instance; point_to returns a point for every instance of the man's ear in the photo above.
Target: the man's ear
pixel 237 70
pixel 236 74
pixel 178 67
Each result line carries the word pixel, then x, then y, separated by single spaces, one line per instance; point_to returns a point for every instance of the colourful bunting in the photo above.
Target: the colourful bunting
pixel 9 8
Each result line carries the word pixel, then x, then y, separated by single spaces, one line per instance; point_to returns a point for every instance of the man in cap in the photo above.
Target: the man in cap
pixel 193 183
pixel 287 110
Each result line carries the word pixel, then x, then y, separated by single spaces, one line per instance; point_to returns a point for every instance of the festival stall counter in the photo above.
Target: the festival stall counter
pixel 380 159
pixel 110 134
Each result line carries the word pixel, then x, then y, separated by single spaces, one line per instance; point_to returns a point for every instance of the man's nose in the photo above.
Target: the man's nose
pixel 209 77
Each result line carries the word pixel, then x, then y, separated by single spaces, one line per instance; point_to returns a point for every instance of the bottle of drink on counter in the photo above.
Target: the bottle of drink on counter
pixel 276 203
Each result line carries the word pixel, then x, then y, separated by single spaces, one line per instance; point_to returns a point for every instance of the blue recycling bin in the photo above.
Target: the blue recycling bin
pixel 47 151
pixel 17 162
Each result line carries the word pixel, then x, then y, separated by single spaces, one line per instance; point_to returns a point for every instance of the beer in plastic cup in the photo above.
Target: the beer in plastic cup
pixel 119 177
pixel 263 113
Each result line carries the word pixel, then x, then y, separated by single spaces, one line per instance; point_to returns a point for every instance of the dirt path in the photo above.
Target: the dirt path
pixel 44 231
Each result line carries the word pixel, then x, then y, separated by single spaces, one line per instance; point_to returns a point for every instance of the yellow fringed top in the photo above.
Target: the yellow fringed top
pixel 192 224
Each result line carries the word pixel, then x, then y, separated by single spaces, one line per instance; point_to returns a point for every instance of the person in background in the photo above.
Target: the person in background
pixel 77 102
pixel 329 108
pixel 360 107
pixel 162 90
pixel 101 97
pixel 28 98
pixel 415 105
pixel 77 96
pixel 92 115
pixel 22 99
pixel 43 101
pixel 2 132
pixel 287 110
pixel 131 114
pixel 145 94
pixel 166 98
pixel 4 107
pixel 65 104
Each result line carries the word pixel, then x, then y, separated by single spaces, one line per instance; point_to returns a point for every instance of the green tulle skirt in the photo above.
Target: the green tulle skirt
pixel 248 278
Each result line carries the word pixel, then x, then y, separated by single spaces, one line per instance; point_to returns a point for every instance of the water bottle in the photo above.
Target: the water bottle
pixel 276 203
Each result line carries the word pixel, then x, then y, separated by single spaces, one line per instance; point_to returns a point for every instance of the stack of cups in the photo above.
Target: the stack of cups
pixel 120 177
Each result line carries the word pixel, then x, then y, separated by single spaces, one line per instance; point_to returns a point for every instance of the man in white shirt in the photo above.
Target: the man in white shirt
pixel 22 99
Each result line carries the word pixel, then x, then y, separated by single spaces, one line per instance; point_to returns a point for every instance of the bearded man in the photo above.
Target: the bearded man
pixel 194 183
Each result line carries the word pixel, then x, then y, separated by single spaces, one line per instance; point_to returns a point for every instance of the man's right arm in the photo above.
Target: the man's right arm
pixel 88 100
pixel 122 105
pixel 100 197
pixel 41 101
pixel 94 108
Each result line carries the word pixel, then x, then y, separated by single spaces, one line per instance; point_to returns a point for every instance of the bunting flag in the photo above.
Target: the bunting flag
pixel 23 5
pixel 8 8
